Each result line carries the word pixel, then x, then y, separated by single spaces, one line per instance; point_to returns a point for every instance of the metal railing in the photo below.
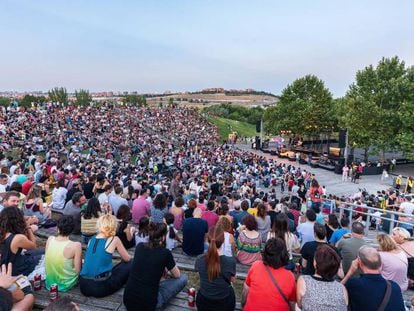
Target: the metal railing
pixel 371 212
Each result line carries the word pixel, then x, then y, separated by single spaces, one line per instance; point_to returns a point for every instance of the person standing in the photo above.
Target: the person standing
pixel 345 171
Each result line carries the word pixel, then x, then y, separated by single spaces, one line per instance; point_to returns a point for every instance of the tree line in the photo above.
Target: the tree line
pixel 377 109
pixel 236 112
pixel 60 95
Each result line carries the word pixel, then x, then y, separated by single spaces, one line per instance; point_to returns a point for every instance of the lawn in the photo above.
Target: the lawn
pixel 227 126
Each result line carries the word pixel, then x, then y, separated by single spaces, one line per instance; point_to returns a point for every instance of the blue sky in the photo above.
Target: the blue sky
pixel 153 46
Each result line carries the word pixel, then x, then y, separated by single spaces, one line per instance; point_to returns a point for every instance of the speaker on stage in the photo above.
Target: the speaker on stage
pixel 342 138
pixel 258 126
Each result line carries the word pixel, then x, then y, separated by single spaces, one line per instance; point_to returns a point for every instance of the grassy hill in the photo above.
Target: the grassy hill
pixel 227 126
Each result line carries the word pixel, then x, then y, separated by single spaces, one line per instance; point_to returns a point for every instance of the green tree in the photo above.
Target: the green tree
pixel 4 101
pixel 305 108
pixel 83 98
pixel 374 105
pixel 135 100
pixel 59 95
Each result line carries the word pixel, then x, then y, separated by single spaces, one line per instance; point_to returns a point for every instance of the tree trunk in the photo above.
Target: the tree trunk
pixel 365 155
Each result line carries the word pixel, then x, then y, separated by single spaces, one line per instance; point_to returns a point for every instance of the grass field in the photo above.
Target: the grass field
pixel 227 126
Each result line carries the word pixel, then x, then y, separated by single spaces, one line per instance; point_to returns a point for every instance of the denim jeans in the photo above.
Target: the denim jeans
pixel 169 288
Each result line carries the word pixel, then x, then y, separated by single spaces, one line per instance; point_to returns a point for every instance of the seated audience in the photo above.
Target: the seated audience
pixel 142 235
pixel 146 288
pixel 305 230
pixel 370 290
pixel 89 219
pixel 74 208
pixel 194 234
pixel 125 231
pixel 98 277
pixel 340 232
pixel 16 235
pixel 280 230
pixel 309 249
pixel 321 291
pixel 394 261
pixel 349 246
pixel 263 221
pixel 249 242
pixel 159 208
pixel 63 258
pixel 210 215
pixel 172 239
pixel 178 212
pixel 269 286
pixel 217 272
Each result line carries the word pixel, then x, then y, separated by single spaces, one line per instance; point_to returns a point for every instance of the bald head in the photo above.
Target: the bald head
pixel 369 257
pixel 197 212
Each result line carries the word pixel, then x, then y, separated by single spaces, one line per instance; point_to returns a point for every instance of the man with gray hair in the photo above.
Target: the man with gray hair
pixel 371 291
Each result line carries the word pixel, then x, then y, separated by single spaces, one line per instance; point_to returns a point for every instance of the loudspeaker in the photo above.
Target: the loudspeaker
pixel 342 138
pixel 257 143
pixel 258 126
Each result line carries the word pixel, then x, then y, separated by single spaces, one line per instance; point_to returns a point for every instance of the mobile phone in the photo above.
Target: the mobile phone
pixel 23 282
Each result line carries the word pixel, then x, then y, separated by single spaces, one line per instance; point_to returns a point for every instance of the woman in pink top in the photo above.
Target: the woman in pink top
pixel 178 212
pixel 394 261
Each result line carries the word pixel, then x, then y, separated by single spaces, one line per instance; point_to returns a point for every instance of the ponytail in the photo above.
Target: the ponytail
pixel 171 231
pixel 216 239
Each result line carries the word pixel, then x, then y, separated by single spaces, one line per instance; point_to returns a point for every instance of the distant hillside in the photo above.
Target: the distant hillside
pixel 227 126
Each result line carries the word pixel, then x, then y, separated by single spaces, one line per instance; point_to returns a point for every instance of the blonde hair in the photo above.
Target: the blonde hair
pixel 401 232
pixel 386 243
pixel 107 225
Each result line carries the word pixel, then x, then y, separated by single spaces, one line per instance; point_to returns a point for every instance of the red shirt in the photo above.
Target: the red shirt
pixel 210 217
pixel 263 294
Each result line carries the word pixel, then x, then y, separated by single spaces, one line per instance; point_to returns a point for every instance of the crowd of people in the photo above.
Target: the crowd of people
pixel 154 180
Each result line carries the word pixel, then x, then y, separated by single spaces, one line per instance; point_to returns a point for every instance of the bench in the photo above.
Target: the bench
pixel 111 302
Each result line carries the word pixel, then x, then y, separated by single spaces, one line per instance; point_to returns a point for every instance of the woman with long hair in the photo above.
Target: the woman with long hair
pixel 146 288
pixel 394 261
pixel 125 231
pixel 99 278
pixel 89 219
pixel 16 235
pixel 159 208
pixel 263 221
pixel 34 205
pixel 217 272
pixel 280 230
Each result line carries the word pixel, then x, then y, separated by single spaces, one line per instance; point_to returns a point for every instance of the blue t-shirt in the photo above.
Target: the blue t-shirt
pixel 194 230
pixel 337 235
pixel 237 217
pixel 367 292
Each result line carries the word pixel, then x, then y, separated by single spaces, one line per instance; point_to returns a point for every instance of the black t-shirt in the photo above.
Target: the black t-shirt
pixel 141 291
pixel 272 215
pixel 220 287
pixel 194 230
pixel 308 252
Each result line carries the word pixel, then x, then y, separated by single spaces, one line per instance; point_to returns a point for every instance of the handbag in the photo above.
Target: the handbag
pixel 276 284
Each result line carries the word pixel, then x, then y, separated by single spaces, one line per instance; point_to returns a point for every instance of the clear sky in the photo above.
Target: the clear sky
pixel 153 46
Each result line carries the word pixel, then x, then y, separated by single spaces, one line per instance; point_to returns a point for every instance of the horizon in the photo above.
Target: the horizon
pixel 189 46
